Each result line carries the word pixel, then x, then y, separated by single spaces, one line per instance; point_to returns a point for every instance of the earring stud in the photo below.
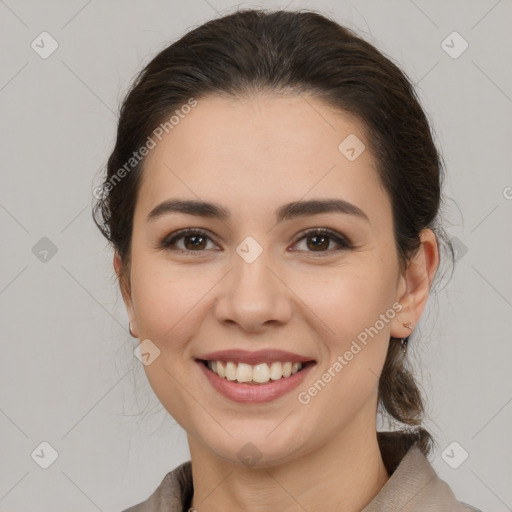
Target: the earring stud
pixel 404 341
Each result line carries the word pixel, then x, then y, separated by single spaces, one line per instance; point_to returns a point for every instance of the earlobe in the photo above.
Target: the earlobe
pixel 130 330
pixel 118 264
pixel 125 288
pixel 415 283
pixel 121 276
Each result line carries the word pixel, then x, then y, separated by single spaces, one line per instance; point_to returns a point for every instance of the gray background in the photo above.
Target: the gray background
pixel 68 375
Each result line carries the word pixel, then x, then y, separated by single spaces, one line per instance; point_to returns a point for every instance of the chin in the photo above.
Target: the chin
pixel 261 445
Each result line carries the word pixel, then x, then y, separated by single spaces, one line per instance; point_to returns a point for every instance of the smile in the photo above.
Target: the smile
pixel 254 374
pixel 248 390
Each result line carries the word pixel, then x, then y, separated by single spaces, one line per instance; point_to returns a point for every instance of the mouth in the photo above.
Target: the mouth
pixel 254 383
pixel 255 374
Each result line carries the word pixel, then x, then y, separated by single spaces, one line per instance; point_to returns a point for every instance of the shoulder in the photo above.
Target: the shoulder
pixel 414 486
pixel 172 495
pixel 436 493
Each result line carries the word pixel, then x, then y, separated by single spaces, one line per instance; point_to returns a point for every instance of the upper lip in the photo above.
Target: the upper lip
pixel 256 357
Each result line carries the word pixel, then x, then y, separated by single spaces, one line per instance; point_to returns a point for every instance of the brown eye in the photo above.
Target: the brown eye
pixel 193 241
pixel 319 240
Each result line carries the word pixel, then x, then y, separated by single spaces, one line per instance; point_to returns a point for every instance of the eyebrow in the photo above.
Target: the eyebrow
pixel 285 212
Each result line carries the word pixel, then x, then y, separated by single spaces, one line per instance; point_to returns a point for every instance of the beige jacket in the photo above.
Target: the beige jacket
pixel 413 485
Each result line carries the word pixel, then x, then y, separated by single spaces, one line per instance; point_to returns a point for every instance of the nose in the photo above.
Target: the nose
pixel 254 295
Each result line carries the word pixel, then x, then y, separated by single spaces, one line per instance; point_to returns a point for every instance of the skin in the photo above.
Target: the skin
pixel 252 155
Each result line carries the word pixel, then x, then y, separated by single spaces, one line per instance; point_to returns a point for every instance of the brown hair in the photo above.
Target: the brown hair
pixel 299 52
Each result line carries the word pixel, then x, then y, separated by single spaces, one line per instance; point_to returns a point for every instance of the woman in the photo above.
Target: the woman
pixel 273 200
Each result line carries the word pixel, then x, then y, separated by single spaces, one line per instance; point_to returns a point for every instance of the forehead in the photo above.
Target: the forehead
pixel 251 152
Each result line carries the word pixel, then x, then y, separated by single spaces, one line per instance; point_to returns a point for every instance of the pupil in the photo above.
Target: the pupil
pixel 321 237
pixel 196 238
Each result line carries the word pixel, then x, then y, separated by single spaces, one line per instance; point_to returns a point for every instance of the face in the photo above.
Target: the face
pixel 263 279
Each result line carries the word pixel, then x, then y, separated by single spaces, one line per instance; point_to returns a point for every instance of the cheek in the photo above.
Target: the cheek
pixel 347 299
pixel 168 305
pixel 167 300
pixel 354 308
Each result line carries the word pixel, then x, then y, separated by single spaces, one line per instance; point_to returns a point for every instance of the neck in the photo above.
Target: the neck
pixel 343 475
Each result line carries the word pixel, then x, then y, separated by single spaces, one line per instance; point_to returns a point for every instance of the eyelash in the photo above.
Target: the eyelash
pixel 342 241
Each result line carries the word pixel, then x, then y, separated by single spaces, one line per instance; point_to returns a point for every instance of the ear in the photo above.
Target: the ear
pixel 124 285
pixel 414 285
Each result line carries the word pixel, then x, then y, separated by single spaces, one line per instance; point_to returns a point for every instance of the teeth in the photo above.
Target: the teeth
pixel 259 373
pixel 276 371
pixel 230 371
pixel 244 372
pixel 221 371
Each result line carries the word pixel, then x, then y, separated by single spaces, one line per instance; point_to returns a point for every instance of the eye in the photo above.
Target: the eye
pixel 195 240
pixel 321 239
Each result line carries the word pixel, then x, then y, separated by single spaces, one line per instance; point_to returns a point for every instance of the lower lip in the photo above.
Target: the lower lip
pixel 254 393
